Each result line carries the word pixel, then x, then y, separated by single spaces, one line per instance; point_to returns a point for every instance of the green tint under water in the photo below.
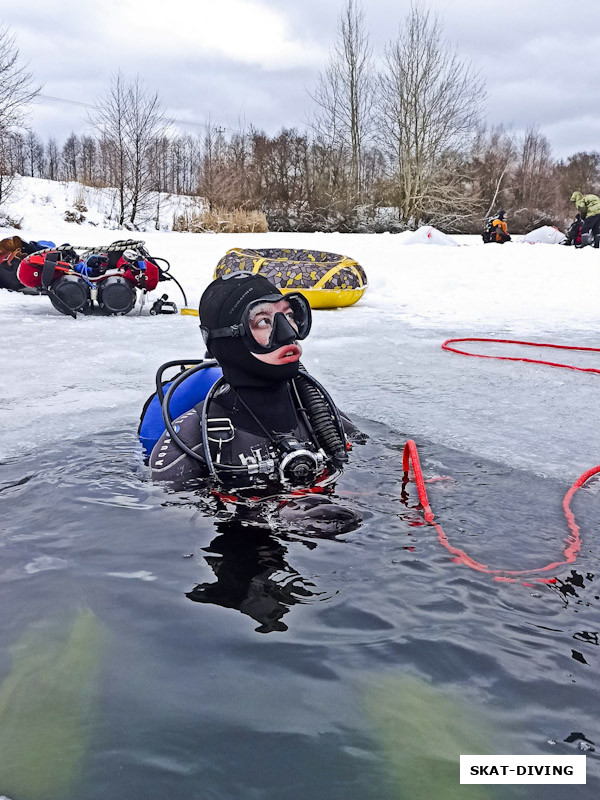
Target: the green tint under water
pixel 45 703
pixel 424 730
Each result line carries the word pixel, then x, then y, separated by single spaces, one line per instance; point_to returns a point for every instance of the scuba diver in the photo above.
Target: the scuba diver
pixel 267 426
pixel 267 443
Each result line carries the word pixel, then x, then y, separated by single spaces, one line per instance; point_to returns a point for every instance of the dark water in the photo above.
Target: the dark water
pixel 239 662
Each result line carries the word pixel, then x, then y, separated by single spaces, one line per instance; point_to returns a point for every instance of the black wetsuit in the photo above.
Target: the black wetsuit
pixel 236 435
pixel 268 414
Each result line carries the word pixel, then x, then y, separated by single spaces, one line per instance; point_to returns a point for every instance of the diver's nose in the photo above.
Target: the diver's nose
pixel 283 331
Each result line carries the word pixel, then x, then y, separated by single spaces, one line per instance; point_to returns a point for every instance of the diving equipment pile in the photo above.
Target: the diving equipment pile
pixel 327 280
pixel 108 278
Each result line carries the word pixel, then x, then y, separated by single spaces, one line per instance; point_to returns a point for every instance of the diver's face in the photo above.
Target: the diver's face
pixel 262 317
pixel 261 321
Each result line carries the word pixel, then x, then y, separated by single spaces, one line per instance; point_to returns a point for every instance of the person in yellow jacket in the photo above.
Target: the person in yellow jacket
pixel 588 205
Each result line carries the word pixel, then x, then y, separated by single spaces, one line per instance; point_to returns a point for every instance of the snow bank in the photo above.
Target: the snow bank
pixel 426 234
pixel 547 234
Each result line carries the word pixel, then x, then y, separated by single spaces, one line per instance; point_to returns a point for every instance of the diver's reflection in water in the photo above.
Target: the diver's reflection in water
pixel 249 562
pixel 252 576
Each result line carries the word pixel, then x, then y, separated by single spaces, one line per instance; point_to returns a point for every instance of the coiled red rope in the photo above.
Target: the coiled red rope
pixel 448 342
pixel 572 543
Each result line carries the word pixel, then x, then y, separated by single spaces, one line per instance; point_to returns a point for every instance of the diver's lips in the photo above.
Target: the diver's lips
pixel 288 353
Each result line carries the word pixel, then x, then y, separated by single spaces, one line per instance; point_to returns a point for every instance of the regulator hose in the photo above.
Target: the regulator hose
pixel 323 417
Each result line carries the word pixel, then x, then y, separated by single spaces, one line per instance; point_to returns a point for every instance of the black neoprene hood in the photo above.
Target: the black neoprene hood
pixel 225 299
pixel 223 304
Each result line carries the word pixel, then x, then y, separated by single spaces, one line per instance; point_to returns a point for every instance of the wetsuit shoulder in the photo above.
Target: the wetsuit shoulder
pixel 168 463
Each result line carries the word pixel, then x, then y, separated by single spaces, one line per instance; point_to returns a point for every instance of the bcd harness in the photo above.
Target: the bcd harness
pixel 296 458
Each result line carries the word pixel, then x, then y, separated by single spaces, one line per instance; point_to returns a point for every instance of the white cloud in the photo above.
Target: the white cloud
pixel 223 58
pixel 242 31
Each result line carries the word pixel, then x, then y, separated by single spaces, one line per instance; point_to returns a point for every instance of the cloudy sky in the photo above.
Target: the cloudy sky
pixel 238 62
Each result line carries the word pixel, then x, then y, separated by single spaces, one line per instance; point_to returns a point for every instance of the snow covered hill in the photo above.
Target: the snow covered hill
pixel 64 379
pixel 35 203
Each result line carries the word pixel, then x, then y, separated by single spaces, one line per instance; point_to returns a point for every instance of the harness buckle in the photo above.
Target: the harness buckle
pixel 222 426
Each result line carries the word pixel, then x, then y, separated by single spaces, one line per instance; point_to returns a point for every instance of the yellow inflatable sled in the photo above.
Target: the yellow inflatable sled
pixel 327 280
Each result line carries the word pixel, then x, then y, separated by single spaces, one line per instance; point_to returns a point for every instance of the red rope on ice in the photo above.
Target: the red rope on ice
pixel 572 543
pixel 445 346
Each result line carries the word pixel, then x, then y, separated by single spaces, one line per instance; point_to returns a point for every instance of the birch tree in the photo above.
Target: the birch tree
pixel 344 94
pixel 431 100
pixel 144 122
pixel 109 121
pixel 129 119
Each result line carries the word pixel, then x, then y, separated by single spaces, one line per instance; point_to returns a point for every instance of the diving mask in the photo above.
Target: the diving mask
pixel 269 323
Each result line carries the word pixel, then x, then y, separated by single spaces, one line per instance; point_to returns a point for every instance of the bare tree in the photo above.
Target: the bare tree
pixel 580 172
pixel 52 159
pixel 109 121
pixel 88 160
pixel 144 123
pixel 17 89
pixel 344 93
pixel 535 192
pixel 214 175
pixel 430 104
pixel 70 157
pixel 35 154
pixel 129 119
pixel 493 157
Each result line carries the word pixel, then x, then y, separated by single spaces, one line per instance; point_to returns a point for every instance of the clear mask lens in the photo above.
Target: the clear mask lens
pixel 274 323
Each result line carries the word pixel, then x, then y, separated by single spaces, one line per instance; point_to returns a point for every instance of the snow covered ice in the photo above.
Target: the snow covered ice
pixel 381 359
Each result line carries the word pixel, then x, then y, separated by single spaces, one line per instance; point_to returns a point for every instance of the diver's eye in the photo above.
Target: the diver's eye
pixel 261 322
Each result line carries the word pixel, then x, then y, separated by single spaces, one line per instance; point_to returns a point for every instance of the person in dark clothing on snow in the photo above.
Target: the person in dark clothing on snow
pixel 574 232
pixel 496 229
pixel 588 205
pixel 270 427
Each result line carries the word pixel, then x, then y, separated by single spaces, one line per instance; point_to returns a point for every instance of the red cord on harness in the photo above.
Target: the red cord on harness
pixel 572 543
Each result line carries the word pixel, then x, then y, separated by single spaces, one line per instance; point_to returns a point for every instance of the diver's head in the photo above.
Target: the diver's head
pixel 252 329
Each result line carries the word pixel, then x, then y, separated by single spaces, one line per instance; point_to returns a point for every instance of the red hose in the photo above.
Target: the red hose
pixel 445 346
pixel 573 541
